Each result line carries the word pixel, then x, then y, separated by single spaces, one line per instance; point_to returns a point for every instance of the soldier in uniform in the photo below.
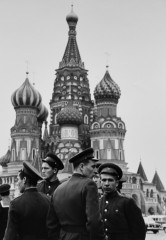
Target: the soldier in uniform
pixel 4 207
pixel 27 213
pixel 74 211
pixel 50 167
pixel 121 216
pixel 96 179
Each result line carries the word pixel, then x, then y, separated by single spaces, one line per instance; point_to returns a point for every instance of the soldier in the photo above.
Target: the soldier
pixel 27 213
pixel 4 207
pixel 74 211
pixel 50 167
pixel 96 179
pixel 122 217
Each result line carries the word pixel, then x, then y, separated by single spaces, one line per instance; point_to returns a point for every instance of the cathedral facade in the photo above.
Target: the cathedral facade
pixel 76 123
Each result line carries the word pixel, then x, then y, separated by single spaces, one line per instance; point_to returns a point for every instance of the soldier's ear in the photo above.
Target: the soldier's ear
pixel 24 180
pixel 117 183
pixel 81 166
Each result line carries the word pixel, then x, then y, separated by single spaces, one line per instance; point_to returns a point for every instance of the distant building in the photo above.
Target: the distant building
pixel 76 123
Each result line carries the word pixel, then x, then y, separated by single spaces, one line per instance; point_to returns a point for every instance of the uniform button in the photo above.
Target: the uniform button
pixel 105 220
pixel 107 202
pixel 106 237
pixel 48 194
pixel 105 210
pixel 106 229
pixel 49 186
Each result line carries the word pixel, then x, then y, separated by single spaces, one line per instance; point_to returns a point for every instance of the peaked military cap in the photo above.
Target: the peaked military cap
pixel 31 171
pixel 4 188
pixel 87 154
pixel 112 169
pixel 53 161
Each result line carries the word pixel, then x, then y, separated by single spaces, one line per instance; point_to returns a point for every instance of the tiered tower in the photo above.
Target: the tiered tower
pixel 71 86
pixel 108 131
pixel 30 115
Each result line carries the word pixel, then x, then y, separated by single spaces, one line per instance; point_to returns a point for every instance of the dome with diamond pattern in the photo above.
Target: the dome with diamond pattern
pixel 69 115
pixel 107 90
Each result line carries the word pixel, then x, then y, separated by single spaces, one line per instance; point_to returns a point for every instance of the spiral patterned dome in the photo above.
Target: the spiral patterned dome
pixel 107 89
pixel 26 95
pixel 69 115
pixel 72 17
pixel 43 113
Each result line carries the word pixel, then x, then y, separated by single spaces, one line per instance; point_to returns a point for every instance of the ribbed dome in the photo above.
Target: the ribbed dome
pixel 43 113
pixel 69 115
pixel 107 89
pixel 72 17
pixel 26 95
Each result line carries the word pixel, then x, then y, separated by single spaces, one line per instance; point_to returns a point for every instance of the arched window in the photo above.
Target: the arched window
pixel 134 180
pixel 97 154
pixel 55 121
pixel 13 155
pixel 23 154
pixel 33 153
pixel 120 155
pixel 109 154
pixel 86 120
pixel 151 193
pixel 147 192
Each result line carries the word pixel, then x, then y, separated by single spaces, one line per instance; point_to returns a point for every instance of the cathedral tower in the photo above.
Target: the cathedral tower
pixel 71 86
pixel 30 115
pixel 107 130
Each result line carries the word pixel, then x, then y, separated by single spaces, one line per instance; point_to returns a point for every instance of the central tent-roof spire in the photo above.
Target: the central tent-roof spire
pixel 71 57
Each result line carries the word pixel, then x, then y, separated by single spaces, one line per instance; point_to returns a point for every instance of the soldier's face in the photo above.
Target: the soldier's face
pixel 96 179
pixel 21 184
pixel 109 183
pixel 88 169
pixel 47 171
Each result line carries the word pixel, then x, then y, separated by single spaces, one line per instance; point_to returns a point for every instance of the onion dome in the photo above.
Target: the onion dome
pixel 69 115
pixel 43 113
pixel 72 17
pixel 26 95
pixel 107 89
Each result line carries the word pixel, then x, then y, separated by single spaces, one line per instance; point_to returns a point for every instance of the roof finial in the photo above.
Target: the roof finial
pixel 27 67
pixel 33 79
pixel 107 60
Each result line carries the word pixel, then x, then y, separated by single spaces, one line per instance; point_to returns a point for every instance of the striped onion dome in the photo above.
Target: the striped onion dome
pixel 26 95
pixel 107 90
pixel 69 115
pixel 43 113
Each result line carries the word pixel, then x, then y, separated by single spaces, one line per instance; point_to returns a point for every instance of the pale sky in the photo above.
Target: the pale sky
pixel 132 32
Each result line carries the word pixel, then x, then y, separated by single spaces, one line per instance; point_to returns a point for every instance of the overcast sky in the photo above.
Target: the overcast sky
pixel 131 32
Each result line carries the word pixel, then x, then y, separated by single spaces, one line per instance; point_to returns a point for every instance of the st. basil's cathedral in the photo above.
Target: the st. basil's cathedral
pixel 76 123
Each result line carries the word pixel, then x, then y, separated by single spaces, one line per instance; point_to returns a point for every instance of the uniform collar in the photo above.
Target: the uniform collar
pixel 31 189
pixel 111 194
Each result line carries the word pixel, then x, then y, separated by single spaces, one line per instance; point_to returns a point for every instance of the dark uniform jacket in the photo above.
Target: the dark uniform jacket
pixel 3 220
pixel 74 211
pixel 48 187
pixel 27 216
pixel 122 218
